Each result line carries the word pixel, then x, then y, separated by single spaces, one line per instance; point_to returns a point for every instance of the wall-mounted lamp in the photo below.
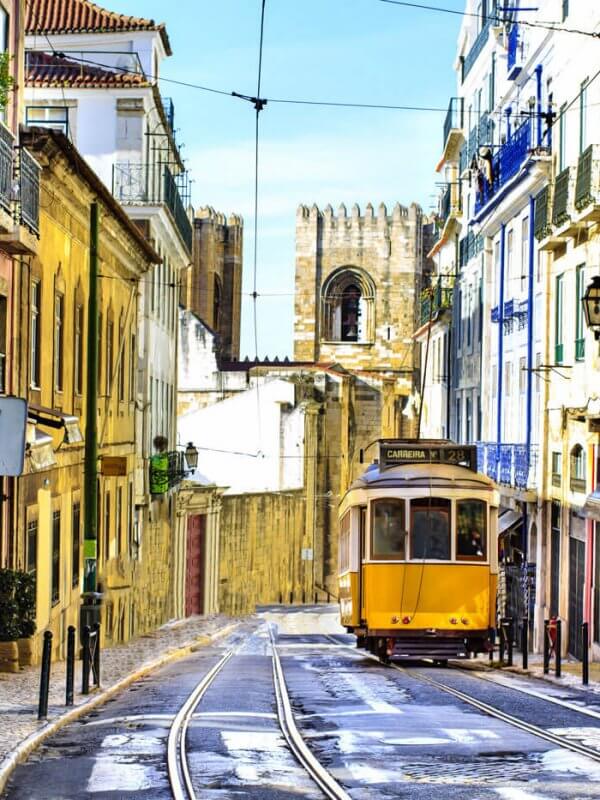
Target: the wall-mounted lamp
pixel 591 306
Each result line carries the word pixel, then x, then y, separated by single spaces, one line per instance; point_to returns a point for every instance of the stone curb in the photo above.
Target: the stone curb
pixel 24 748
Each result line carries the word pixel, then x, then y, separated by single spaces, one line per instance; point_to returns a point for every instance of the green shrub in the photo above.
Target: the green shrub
pixel 25 597
pixel 9 608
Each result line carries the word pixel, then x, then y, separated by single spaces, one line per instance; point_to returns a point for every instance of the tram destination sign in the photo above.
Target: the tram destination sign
pixel 395 453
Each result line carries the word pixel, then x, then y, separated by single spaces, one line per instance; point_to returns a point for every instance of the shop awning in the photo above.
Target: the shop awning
pixel 40 449
pixel 591 508
pixel 509 520
pixel 52 418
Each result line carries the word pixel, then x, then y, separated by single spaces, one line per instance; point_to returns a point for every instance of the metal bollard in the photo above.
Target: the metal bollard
pixel 546 647
pixel 70 665
pixel 510 630
pixel 303 597
pixel 558 648
pixel 501 642
pixel 97 654
pixel 45 676
pixel 525 642
pixel 85 667
pixel 585 659
pixel 492 635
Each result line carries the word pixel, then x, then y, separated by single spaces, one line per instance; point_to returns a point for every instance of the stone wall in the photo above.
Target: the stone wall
pixel 261 540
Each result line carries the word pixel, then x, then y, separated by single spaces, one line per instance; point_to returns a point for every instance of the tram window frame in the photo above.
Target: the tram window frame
pixel 431 504
pixel 344 542
pixel 484 533
pixel 401 504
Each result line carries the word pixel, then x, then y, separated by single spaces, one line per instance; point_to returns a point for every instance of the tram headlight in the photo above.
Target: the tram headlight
pixel 464 621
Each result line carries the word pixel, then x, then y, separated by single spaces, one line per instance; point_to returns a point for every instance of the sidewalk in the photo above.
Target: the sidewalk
pixel 571 670
pixel 20 729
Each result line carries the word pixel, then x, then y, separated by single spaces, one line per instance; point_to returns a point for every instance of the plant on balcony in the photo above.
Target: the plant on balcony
pixel 6 79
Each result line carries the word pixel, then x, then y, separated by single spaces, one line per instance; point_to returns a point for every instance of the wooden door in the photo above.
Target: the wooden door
pixel 576 583
pixel 194 577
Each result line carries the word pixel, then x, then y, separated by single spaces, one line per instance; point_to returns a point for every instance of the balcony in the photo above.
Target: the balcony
pixel 479 43
pixel 577 485
pixel 453 129
pixel 515 53
pixel 21 227
pixel 166 471
pixel 542 220
pixel 469 247
pixel 560 208
pixel 587 185
pixel 435 299
pixel 508 464
pixel 506 163
pixel 152 184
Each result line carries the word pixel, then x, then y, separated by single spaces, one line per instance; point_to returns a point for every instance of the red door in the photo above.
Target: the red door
pixel 194 578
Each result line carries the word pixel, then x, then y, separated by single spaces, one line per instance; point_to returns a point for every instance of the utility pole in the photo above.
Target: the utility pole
pixel 90 485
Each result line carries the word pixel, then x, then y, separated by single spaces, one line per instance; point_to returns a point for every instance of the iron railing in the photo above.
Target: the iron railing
pixel 506 163
pixel 29 191
pixel 74 63
pixel 150 184
pixel 560 209
pixel 166 471
pixel 509 464
pixel 7 142
pixel 446 203
pixel 577 485
pixel 542 219
pixel 435 299
pixel 454 117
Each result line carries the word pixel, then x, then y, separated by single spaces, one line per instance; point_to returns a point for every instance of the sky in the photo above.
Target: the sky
pixel 364 51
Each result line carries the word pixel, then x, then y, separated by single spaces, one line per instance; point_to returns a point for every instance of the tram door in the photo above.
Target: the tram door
pixel 363 554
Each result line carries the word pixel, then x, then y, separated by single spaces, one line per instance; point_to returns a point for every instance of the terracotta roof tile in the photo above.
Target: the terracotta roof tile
pixel 46 69
pixel 82 16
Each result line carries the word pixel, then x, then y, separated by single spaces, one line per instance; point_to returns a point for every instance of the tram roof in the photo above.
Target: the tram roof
pixel 417 475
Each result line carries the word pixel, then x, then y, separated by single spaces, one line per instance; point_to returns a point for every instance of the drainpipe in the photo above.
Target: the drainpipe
pixel 530 329
pixel 538 77
pixel 500 338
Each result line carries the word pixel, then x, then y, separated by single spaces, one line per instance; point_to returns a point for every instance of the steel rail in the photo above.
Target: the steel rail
pixel 491 711
pixel 177 766
pixel 324 780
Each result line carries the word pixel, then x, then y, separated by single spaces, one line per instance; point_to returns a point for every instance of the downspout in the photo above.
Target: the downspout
pixel 538 77
pixel 500 339
pixel 530 329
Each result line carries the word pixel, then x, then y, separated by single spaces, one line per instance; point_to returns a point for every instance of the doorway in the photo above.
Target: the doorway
pixel 194 574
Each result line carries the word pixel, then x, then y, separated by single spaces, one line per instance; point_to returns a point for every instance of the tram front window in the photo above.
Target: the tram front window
pixel 430 528
pixel 388 534
pixel 471 530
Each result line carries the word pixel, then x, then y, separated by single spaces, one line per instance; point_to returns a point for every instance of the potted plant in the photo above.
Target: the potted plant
pixel 9 622
pixel 25 598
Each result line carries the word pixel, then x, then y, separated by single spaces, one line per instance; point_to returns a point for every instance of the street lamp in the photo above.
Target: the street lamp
pixel 191 456
pixel 591 306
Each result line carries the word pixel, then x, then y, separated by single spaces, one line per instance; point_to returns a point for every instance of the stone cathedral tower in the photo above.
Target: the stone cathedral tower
pixel 358 282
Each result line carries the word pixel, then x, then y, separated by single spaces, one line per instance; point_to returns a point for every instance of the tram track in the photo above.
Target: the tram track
pixel 489 710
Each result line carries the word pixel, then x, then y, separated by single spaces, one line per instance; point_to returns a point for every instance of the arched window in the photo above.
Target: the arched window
pixel 216 302
pixel 577 469
pixel 347 307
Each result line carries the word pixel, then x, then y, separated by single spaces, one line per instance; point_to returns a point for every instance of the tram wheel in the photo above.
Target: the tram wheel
pixel 361 642
pixel 440 662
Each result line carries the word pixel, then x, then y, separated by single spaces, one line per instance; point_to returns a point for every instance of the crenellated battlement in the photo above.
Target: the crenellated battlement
pixel 328 217
pixel 207 214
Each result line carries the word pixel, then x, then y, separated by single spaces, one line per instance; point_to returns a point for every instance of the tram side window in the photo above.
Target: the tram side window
pixel 430 528
pixel 388 532
pixel 471 530
pixel 344 546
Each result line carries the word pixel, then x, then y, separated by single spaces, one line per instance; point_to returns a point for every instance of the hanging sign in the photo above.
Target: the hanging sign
pixel 113 466
pixel 396 452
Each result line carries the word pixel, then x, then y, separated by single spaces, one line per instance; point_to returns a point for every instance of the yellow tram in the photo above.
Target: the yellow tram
pixel 418 555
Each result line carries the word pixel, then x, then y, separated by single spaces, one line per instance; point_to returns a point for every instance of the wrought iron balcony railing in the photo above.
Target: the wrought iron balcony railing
pixel 560 207
pixel 435 299
pixel 7 142
pixel 166 471
pixel 152 184
pixel 506 163
pixel 29 191
pixel 509 464
pixel 454 117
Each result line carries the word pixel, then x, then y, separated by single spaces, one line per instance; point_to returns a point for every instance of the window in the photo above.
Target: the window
pixel 522 375
pixel 430 528
pixel 121 363
pixel 347 301
pixel 109 356
pixel 562 137
pixel 565 9
pixel 59 310
pixel 509 262
pixel 578 469
pixel 76 534
pixel 558 322
pixel 579 326
pixel 388 532
pixel 469 316
pixel 468 420
pixel 458 420
pixel 524 252
pixel 3 323
pixel 556 469
pixel 4 30
pixel 132 368
pixel 471 530
pixel 106 526
pixel 496 271
pixel 129 512
pixel 508 378
pixel 344 548
pixel 583 116
pixel 492 85
pixel 56 117
pixel 32 539
pixel 78 349
pixel 119 519
pixel 35 333
pixel 55 588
